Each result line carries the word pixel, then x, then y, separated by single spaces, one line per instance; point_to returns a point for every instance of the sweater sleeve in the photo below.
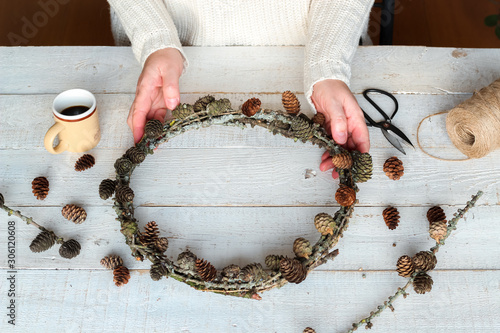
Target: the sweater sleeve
pixel 333 32
pixel 148 26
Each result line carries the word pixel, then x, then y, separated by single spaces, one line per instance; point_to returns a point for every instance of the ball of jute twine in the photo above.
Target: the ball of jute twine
pixel 474 125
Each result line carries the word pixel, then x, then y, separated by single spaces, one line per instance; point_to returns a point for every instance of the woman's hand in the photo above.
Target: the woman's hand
pixel 344 119
pixel 157 89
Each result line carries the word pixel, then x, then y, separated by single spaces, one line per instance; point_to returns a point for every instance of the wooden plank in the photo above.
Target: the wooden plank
pixel 465 301
pixel 401 69
pixel 242 235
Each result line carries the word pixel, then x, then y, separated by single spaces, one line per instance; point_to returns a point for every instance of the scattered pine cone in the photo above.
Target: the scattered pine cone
pixel 43 241
pixel 218 107
pixel 40 186
pixel 302 128
pixel 70 249
pixel 422 283
pixel 2 200
pixel 393 168
pixel 187 260
pixel 202 103
pixel 290 102
pixel 231 272
pixel 342 161
pixel 107 188
pixel 121 275
pixel 345 195
pixel 157 271
pixel 391 217
pixel 135 155
pixel 302 248
pixel 124 193
pixel 123 166
pixel 325 224
pixel 309 330
pixel 206 270
pixel 362 167
pixel 436 213
pixel 85 162
pixel 405 266
pixel 292 270
pixel 153 129
pixel 161 244
pixel 252 272
pixel 112 261
pixel 182 111
pixel 74 213
pixel 150 234
pixel 273 261
pixel 438 230
pixel 251 107
pixel 424 261
pixel 319 119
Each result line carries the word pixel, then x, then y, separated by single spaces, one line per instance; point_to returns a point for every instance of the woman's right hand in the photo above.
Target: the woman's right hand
pixel 157 89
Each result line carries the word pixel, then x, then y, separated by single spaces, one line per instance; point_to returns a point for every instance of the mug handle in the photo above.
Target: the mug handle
pixel 50 136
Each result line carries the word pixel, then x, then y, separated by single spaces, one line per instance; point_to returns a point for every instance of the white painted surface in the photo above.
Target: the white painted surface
pixel 234 196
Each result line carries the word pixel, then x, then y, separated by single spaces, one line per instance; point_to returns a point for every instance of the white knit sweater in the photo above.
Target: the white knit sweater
pixel 330 29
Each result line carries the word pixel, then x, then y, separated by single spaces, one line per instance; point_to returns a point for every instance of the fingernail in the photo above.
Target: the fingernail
pixel 172 103
pixel 342 137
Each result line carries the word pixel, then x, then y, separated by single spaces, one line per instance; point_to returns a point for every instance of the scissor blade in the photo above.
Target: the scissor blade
pixel 392 139
pixel 399 133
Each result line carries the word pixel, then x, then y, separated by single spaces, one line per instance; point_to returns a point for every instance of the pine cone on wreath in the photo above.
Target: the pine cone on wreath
pixel 121 275
pixel 231 272
pixel 393 168
pixel 161 244
pixel 202 103
pixel 362 167
pixel 325 224
pixel 422 283
pixel 112 261
pixel 74 213
pixel 436 213
pixel 124 194
pixel 182 111
pixel 424 261
pixel 153 129
pixel 218 107
pixel 438 230
pixel 345 196
pixel 251 107
pixel 292 270
pixel 157 271
pixel 319 119
pixel 206 270
pixel 290 102
pixel 302 128
pixel 302 248
pixel 85 162
pixel 342 161
pixel 187 260
pixel 405 266
pixel 135 155
pixel 252 272
pixel 107 188
pixel 273 261
pixel 43 241
pixel 40 186
pixel 70 249
pixel 123 165
pixel 391 217
pixel 309 330
pixel 150 234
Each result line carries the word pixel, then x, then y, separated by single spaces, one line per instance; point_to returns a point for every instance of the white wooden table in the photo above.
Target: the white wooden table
pixel 234 196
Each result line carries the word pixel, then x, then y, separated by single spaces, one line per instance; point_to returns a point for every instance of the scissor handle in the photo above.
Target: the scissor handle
pixel 375 105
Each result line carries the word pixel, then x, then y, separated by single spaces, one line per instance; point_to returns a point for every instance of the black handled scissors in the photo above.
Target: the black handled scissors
pixel 386 125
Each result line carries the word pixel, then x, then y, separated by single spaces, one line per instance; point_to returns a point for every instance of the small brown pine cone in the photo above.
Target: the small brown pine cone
pixel 135 155
pixel 290 102
pixel 302 128
pixel 405 266
pixel 85 162
pixel 252 273
pixel 345 195
pixel 391 217
pixel 251 107
pixel 124 193
pixel 302 248
pixel 182 111
pixel 43 241
pixel 436 213
pixel 161 244
pixel 308 330
pixel 206 270
pixel 153 129
pixel 123 166
pixel 202 103
pixel 2 200
pixel 74 213
pixel 342 161
pixel 112 261
pixel 424 261
pixel 157 271
pixel 70 249
pixel 107 188
pixel 393 168
pixel 231 272
pixel 150 234
pixel 438 230
pixel 121 275
pixel 218 107
pixel 40 186
pixel 319 118
pixel 292 270
pixel 187 260
pixel 325 224
pixel 422 283
pixel 273 261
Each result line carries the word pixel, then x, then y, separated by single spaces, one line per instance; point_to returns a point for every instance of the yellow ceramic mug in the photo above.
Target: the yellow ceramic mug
pixel 77 123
